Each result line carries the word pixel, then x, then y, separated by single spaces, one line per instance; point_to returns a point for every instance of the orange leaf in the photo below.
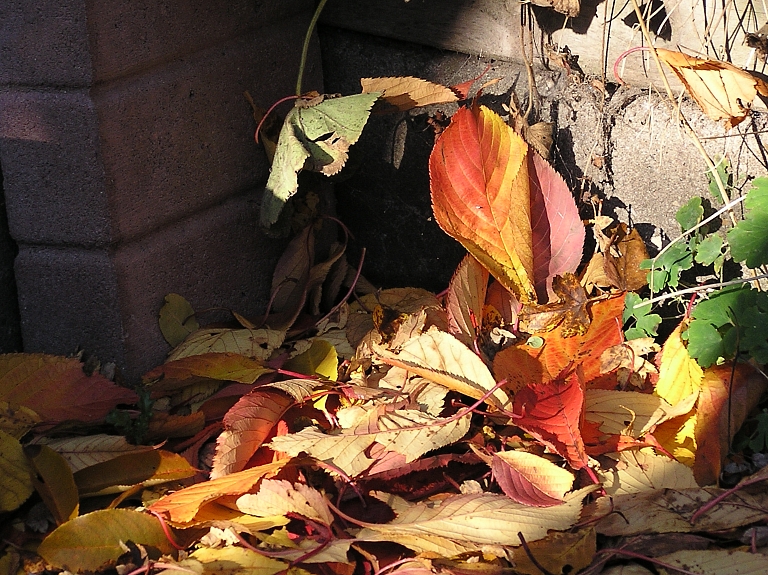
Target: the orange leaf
pixel 551 412
pixel 723 91
pixel 558 352
pixel 481 197
pixel 726 396
pixel 182 506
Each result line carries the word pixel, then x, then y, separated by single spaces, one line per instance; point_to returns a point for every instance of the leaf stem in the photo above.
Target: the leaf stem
pixel 305 48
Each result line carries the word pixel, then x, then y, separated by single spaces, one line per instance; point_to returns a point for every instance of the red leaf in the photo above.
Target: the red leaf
pixel 558 233
pixel 57 389
pixel 246 427
pixel 530 479
pixel 551 413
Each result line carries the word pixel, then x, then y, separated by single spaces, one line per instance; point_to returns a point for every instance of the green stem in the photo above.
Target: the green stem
pixel 305 49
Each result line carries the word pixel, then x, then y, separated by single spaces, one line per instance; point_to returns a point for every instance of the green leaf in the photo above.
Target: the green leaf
pixel 15 480
pixel 723 169
pixel 690 214
pixel 177 319
pixel 92 541
pixel 710 250
pixel 668 267
pixel 749 239
pixel 705 344
pixel 315 136
pixel 645 323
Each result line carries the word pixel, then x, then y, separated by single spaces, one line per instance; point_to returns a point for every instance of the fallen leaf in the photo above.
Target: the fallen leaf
pixel 57 389
pixel 715 562
pixel 82 452
pixel 464 299
pixel 471 520
pixel 551 412
pixel 722 90
pixel 216 366
pixel 622 259
pixel 728 395
pixel 370 433
pixel 320 359
pixel 315 135
pixel 15 481
pixel 406 92
pixel 624 412
pixel 440 357
pixel 280 497
pixel 247 425
pixel 181 506
pixel 569 312
pixel 232 560
pixel 670 511
pixel 177 319
pixel 530 479
pixel 17 420
pixel 54 482
pixel 139 468
pixel 558 553
pixel 93 541
pixel 253 343
pixel 558 353
pixel 679 374
pixel 641 471
pixel 507 207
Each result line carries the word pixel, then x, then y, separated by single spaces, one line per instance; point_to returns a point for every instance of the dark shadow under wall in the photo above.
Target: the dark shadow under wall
pixel 10 327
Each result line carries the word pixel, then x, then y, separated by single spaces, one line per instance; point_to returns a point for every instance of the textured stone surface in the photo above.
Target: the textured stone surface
pixel 10 327
pixel 54 180
pixel 143 179
pixel 44 43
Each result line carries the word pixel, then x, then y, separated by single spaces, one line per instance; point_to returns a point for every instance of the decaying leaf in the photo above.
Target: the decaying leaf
pixel 570 8
pixel 558 553
pixel 82 452
pixel 316 135
pixel 723 91
pixel 551 412
pixel 15 481
pixel 471 521
pixel 54 482
pixel 406 92
pixel 570 311
pixel 279 497
pixel 642 471
pixel 439 357
pixel 465 298
pixel 93 541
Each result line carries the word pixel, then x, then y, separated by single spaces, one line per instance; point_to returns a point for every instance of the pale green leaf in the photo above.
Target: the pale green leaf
pixel 315 136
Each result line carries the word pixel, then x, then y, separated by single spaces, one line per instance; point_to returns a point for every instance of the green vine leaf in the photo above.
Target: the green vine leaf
pixel 749 239
pixel 646 323
pixel 316 136
pixel 667 268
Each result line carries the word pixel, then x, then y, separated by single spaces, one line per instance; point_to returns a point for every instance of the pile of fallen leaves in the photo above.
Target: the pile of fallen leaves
pixel 504 426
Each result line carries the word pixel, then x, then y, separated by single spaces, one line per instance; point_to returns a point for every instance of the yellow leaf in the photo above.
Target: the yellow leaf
pixel 319 359
pixel 54 482
pixel 679 374
pixel 15 481
pixel 237 561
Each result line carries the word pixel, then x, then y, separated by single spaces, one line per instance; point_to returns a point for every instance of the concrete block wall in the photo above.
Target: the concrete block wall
pixel 129 165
